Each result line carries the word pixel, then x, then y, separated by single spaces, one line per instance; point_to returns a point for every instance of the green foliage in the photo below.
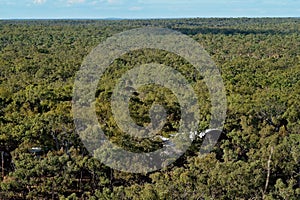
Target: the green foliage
pixel 257 156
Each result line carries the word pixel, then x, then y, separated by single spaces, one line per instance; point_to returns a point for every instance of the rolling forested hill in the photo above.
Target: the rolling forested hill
pixel 256 157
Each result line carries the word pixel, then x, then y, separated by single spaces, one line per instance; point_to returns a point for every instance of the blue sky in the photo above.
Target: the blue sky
pixel 44 9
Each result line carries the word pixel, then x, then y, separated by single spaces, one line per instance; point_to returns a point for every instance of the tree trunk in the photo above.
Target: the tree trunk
pixel 269 171
pixel 2 165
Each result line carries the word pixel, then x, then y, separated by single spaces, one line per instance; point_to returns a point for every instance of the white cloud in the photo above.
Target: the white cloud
pixel 39 1
pixel 75 1
pixel 135 8
pixel 114 1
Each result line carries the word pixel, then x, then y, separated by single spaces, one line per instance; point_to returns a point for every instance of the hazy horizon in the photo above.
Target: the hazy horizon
pixel 154 18
pixel 150 9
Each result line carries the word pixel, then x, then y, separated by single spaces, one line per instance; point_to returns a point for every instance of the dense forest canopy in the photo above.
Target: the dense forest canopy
pixel 256 157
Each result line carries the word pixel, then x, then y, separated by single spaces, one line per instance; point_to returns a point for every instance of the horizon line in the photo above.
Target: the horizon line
pixel 154 18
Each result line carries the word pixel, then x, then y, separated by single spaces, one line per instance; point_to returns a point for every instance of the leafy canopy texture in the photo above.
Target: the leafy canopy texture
pixel 257 156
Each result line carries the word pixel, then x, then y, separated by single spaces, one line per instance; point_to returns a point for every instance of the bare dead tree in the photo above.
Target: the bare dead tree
pixel 269 171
